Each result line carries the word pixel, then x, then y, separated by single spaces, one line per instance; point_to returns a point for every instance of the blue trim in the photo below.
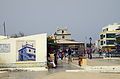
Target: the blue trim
pixel 24 55
pixel 25 48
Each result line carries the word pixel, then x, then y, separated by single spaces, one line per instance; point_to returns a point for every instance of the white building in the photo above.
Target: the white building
pixel 62 34
pixel 63 39
pixel 107 36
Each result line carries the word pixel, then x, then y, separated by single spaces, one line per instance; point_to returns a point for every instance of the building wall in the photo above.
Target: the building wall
pixel 111 27
pixel 2 37
pixel 63 37
pixel 10 58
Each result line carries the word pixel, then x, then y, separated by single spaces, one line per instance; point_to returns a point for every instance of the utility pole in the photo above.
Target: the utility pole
pixel 4 28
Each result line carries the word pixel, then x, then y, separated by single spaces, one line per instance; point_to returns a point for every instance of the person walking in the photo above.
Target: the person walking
pixel 91 53
pixel 69 55
pixel 88 53
pixel 100 52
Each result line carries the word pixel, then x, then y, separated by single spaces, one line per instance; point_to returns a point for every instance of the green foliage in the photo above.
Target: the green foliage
pixel 118 40
pixel 50 40
pixel 20 34
pixel 51 45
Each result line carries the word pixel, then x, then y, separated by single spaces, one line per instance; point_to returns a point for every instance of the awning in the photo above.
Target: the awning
pixel 68 42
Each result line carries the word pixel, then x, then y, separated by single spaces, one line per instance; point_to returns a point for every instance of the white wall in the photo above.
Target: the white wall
pixel 2 37
pixel 12 55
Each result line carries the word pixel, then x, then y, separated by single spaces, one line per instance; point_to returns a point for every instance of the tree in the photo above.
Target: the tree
pixel 51 45
pixel 51 49
pixel 14 36
pixel 20 34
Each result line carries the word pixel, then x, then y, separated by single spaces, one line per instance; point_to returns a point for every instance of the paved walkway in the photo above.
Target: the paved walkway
pixel 82 75
pixel 87 75
pixel 99 65
pixel 60 72
pixel 101 62
pixel 62 67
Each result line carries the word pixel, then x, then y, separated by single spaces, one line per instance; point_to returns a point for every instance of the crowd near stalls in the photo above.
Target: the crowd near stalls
pixel 63 46
pixel 56 54
pixel 108 53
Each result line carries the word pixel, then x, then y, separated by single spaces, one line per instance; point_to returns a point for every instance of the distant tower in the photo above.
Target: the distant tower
pixel 62 34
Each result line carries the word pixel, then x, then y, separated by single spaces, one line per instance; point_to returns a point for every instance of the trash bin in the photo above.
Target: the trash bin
pixel 82 61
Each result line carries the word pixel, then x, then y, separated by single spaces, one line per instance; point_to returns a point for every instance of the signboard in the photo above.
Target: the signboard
pixel 4 48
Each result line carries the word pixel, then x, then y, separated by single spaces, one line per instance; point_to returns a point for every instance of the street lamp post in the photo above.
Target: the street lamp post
pixel 55 54
pixel 90 41
pixel 90 53
pixel 55 37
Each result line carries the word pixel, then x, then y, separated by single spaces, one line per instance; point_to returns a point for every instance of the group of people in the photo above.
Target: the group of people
pixel 59 55
pixel 66 53
pixel 89 52
pixel 103 52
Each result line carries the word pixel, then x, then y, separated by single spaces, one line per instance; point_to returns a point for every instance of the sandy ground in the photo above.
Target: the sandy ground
pixel 82 75
pixel 59 75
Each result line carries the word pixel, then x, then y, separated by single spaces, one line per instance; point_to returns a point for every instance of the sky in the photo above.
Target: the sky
pixel 83 18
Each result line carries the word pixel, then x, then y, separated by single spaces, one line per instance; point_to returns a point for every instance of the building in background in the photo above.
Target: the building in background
pixel 108 36
pixel 62 34
pixel 63 38
pixel 118 42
